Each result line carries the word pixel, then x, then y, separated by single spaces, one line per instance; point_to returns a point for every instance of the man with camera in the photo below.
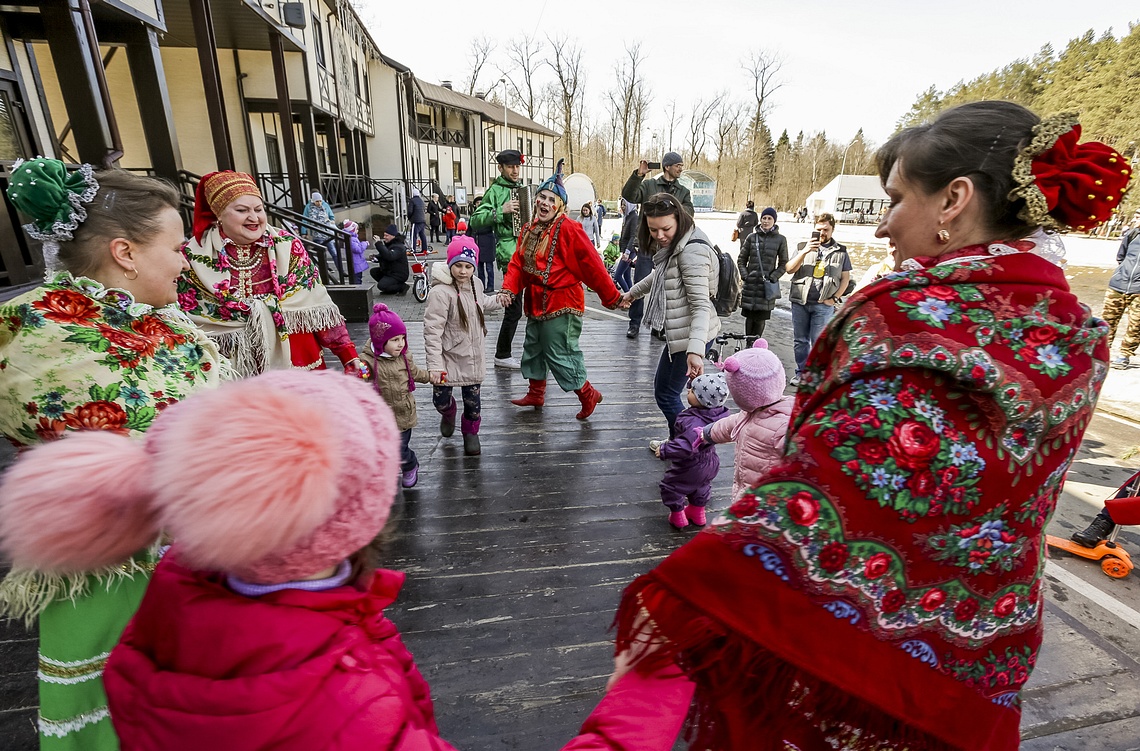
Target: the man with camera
pixel 638 188
pixel 495 214
pixel 821 270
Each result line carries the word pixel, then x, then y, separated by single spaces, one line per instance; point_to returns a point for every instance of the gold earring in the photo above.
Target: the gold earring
pixel 131 278
pixel 943 236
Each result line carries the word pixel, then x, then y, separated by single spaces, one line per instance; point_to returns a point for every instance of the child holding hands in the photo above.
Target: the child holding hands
pixel 395 375
pixel 687 485
pixel 454 332
pixel 756 380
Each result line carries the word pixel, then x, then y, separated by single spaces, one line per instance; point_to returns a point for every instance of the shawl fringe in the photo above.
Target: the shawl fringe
pixel 25 594
pixel 658 628
pixel 311 320
pixel 245 347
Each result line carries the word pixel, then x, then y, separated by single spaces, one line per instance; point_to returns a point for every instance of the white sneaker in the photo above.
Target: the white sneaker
pixel 510 363
pixel 795 380
pixel 656 444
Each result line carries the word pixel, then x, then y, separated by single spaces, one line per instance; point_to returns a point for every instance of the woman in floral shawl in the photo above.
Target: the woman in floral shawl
pixel 253 288
pixel 102 345
pixel 881 587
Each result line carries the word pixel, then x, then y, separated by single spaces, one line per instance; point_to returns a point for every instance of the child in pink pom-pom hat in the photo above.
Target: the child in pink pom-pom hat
pixel 756 380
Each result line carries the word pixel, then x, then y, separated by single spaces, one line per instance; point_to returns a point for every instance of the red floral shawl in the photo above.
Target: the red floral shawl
pixel 881 585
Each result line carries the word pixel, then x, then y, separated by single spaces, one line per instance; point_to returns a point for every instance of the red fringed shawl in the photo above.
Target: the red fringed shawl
pixel 881 587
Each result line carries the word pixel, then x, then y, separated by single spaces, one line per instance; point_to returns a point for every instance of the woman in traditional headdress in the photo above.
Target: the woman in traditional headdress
pixel 102 346
pixel 880 587
pixel 553 258
pixel 253 288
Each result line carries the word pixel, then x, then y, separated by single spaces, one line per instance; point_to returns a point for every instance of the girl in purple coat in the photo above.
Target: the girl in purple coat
pixel 687 485
pixel 359 248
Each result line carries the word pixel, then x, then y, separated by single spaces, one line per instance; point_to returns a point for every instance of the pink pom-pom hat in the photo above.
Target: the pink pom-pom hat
pixel 755 377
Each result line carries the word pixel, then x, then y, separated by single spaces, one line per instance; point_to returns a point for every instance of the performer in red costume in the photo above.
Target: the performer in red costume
pixel 552 259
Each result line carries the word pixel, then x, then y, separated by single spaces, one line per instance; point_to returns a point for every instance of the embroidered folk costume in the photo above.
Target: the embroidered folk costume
pixel 75 355
pixel 552 260
pixel 263 303
pixel 880 587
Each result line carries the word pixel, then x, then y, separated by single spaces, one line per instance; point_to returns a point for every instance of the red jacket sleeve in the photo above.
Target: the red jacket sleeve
pixel 582 259
pixel 513 278
pixel 643 712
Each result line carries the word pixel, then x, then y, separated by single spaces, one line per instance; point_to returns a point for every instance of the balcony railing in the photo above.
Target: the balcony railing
pixel 442 136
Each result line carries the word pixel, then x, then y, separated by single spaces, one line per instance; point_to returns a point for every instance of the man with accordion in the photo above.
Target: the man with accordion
pixel 496 214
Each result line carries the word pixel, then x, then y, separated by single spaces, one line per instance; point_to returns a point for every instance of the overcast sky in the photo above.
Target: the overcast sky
pixel 846 64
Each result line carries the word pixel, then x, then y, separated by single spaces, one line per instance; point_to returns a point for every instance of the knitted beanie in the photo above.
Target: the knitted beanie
pixel 711 389
pixel 755 377
pixel 272 478
pixel 461 226
pixel 769 212
pixel 383 325
pixel 462 248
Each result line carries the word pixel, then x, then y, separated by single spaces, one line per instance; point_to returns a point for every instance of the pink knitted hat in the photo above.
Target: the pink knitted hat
pixel 755 377
pixel 273 479
pixel 463 248
pixel 384 324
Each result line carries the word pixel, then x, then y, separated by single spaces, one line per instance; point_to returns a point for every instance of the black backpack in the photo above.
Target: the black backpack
pixel 729 285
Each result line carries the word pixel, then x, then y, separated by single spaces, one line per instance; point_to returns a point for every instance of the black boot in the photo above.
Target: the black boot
pixel 1100 528
pixel 633 331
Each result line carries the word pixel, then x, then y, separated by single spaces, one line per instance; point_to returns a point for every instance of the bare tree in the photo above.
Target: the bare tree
pixel 671 124
pixel 479 51
pixel 625 96
pixel 522 77
pixel 566 62
pixel 698 126
pixel 764 67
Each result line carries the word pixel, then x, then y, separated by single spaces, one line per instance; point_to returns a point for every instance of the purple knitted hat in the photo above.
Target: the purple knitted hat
pixel 383 325
pixel 755 377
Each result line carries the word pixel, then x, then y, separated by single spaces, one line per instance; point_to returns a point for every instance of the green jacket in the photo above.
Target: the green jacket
pixel 637 190
pixel 490 218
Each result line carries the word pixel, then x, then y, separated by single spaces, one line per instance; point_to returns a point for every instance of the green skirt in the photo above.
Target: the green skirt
pixel 80 620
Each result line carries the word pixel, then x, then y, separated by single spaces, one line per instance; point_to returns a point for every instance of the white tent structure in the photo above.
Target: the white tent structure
pixel 579 190
pixel 849 197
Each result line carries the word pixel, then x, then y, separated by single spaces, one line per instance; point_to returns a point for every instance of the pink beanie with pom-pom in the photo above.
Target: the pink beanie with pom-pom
pixel 755 377
pixel 273 479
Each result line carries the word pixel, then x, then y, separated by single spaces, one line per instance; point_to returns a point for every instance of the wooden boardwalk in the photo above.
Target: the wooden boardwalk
pixel 516 561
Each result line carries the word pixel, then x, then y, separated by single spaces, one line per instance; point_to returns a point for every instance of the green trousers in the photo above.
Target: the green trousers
pixel 551 346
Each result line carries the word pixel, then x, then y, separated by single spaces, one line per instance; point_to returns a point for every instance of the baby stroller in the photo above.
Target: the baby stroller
pixel 1124 508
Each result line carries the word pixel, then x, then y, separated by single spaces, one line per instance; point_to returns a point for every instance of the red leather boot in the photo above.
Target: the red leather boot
pixel 535 396
pixel 590 397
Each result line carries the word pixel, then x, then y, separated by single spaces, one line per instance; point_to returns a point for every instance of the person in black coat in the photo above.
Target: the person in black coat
pixel 642 262
pixel 391 273
pixel 762 258
pixel 746 222
pixel 434 224
pixel 417 215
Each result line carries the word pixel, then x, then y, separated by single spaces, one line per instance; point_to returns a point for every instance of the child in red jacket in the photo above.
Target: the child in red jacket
pixel 263 625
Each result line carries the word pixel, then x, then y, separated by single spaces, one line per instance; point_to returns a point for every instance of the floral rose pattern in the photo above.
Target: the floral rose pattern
pixel 121 362
pixel 899 448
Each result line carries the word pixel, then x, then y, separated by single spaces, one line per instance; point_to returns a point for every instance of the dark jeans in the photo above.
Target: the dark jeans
pixel 622 275
pixel 669 383
pixel 450 235
pixel 419 232
pixel 436 230
pixel 408 460
pixel 807 324
pixel 511 316
pixel 643 269
pixel 487 272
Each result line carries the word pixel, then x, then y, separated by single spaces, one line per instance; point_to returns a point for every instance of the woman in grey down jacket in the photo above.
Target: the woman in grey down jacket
pixel 677 296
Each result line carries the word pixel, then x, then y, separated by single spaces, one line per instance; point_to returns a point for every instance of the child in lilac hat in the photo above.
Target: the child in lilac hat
pixel 687 485
pixel 756 380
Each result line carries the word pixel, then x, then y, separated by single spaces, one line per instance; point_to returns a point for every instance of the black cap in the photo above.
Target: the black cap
pixel 509 157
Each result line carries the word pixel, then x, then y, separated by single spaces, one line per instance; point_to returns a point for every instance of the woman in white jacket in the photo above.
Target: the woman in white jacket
pixel 589 223
pixel 678 293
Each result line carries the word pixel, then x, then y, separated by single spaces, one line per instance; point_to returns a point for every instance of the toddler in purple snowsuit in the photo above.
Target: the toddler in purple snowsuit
pixel 687 484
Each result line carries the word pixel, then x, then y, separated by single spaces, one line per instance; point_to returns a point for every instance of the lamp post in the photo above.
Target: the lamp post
pixel 843 167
